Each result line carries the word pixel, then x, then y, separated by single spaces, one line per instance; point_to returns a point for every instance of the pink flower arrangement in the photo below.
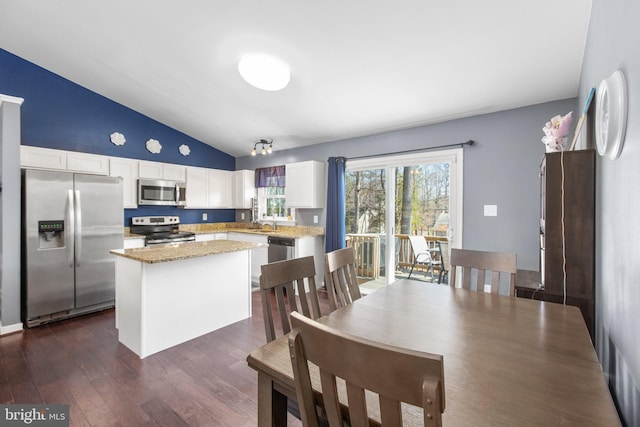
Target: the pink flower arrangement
pixel 556 131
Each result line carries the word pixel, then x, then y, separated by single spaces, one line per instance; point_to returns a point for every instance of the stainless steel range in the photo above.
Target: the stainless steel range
pixel 159 230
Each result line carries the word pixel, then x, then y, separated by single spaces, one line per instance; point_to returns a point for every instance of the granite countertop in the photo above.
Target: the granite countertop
pixel 180 251
pixel 294 231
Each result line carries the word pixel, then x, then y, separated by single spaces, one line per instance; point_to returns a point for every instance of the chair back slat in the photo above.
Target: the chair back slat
pixel 340 278
pixel 395 374
pixel 283 278
pixel 494 262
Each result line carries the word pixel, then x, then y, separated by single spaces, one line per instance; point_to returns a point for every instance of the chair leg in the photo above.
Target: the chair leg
pixel 412 265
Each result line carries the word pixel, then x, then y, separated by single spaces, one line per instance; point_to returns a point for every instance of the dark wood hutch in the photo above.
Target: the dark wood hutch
pixel 577 254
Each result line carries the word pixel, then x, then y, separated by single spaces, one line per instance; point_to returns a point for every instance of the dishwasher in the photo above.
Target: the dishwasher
pixel 280 248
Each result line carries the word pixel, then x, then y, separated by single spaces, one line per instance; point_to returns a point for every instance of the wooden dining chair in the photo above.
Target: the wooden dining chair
pixel 340 278
pixel 482 262
pixel 284 278
pixel 421 254
pixel 395 374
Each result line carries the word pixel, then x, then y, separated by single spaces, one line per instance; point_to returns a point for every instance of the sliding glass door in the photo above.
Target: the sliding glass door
pixel 390 198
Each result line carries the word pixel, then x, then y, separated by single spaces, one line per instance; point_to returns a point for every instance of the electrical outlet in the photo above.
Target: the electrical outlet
pixel 204 216
pixel 242 215
pixel 490 210
pixel 315 219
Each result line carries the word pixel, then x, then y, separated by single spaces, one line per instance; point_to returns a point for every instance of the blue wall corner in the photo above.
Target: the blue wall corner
pixel 58 113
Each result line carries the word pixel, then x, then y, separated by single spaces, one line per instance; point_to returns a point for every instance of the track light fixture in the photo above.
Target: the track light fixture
pixel 266 147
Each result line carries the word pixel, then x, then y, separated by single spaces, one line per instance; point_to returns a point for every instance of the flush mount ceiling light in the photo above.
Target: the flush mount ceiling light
pixel 264 151
pixel 264 72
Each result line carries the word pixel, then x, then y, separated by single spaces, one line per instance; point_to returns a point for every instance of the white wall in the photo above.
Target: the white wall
pixel 10 213
pixel 614 43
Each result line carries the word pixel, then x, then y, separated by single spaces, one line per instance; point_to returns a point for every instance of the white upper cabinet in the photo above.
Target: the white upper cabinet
pixel 158 170
pixel 44 158
pixel 197 187
pixel 244 188
pixel 127 169
pixel 209 188
pixel 305 184
pixel 220 192
pixel 174 172
pixel 72 161
pixel 89 163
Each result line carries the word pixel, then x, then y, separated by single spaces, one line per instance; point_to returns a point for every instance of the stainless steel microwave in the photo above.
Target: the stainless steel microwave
pixel 161 192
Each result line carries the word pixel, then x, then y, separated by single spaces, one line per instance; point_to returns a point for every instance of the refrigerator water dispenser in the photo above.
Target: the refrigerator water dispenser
pixel 51 234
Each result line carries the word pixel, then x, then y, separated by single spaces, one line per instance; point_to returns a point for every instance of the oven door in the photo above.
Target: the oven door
pixel 161 192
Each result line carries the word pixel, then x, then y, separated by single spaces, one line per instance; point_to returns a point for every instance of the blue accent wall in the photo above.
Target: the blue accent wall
pixel 58 113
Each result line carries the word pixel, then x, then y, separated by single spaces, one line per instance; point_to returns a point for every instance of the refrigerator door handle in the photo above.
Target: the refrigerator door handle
pixel 69 229
pixel 78 228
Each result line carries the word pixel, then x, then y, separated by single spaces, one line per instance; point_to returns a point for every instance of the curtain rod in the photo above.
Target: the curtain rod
pixel 470 143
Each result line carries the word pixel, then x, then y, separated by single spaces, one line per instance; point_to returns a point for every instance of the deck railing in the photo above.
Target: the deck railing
pixel 368 250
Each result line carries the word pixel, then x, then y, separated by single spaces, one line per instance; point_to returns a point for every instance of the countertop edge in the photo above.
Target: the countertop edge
pixel 182 251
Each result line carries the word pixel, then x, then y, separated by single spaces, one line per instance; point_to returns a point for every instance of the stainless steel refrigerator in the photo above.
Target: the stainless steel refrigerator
pixel 70 223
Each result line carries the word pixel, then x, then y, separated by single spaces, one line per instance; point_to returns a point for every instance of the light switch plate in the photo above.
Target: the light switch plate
pixel 204 216
pixel 315 219
pixel 490 210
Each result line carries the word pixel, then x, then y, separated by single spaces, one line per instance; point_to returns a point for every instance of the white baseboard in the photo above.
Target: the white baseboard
pixel 9 329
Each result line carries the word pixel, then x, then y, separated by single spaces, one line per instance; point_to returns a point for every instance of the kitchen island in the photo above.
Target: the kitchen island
pixel 166 295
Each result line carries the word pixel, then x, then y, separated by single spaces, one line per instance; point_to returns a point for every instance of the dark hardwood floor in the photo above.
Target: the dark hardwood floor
pixel 203 382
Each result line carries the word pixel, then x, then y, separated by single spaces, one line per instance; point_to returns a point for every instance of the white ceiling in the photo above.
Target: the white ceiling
pixel 358 67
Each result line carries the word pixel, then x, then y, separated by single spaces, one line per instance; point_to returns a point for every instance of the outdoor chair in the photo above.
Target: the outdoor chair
pixel 421 254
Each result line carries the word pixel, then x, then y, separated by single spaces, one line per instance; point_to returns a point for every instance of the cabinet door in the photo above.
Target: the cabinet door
pixel 196 187
pixel 243 189
pixel 312 246
pixel 305 184
pixel 127 169
pixel 219 189
pixel 42 158
pixel 259 256
pixel 89 163
pixel 173 172
pixel 205 237
pixel 151 170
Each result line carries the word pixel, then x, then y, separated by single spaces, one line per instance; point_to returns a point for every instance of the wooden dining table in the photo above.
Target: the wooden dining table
pixel 508 361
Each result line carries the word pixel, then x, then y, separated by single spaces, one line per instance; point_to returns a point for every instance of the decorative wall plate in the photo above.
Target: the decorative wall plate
pixel 611 115
pixel 153 145
pixel 117 138
pixel 184 149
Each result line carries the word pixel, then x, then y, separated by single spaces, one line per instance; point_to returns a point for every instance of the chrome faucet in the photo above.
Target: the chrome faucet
pixel 274 223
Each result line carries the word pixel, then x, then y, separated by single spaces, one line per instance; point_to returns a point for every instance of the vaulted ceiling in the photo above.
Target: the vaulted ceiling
pixel 357 67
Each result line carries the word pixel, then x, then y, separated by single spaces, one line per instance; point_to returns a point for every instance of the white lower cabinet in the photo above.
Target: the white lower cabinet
pixel 312 246
pixel 259 256
pixel 205 237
